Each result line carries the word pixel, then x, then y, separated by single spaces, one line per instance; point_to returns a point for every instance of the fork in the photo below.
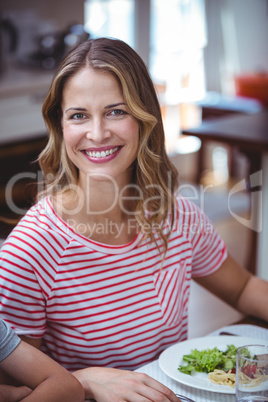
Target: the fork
pixel 184 398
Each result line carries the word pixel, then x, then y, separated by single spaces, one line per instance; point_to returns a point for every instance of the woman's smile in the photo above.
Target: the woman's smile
pixel 101 155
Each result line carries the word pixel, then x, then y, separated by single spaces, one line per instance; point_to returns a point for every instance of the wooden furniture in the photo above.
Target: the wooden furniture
pixel 250 134
pixel 215 105
pixel 245 131
pixel 19 168
pixel 254 321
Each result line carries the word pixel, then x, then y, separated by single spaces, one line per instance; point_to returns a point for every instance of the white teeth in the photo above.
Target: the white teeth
pixel 102 154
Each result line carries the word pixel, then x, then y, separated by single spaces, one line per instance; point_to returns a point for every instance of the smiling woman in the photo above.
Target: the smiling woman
pixel 107 103
pixel 100 268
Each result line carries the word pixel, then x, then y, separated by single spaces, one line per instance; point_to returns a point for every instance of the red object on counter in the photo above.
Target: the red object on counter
pixel 253 86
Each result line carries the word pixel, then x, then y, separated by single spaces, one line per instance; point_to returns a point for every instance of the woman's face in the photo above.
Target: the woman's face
pixel 100 134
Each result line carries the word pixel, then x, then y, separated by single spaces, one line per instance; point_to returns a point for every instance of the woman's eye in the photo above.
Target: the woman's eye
pixel 117 112
pixel 78 116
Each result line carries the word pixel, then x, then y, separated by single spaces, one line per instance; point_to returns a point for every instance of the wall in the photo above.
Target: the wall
pixel 237 40
pixel 252 34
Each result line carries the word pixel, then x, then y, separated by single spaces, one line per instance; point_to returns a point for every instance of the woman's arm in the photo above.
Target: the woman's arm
pixel 50 382
pixel 239 288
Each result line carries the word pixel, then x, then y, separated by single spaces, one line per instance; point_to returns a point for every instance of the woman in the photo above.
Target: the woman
pixel 100 267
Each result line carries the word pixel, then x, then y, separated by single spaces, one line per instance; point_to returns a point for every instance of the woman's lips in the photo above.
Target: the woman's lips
pixel 102 154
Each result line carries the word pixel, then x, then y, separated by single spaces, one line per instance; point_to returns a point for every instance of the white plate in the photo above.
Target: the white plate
pixel 171 358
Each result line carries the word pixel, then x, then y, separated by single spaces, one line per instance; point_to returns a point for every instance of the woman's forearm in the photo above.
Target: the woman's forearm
pixel 254 298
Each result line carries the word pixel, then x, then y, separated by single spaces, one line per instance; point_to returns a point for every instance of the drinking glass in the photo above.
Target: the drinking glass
pixel 252 373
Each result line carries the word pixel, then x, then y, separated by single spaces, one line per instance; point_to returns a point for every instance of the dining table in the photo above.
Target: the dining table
pixel 249 134
pixel 248 327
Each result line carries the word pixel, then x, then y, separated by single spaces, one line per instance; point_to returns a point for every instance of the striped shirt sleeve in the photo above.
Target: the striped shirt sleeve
pixel 208 248
pixel 28 263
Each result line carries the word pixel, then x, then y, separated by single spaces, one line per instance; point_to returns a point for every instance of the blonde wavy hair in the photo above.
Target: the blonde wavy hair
pixel 153 172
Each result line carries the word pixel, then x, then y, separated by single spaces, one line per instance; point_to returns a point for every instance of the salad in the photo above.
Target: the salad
pixel 208 360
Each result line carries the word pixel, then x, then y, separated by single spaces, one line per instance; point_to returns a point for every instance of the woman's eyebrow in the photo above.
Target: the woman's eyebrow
pixel 80 109
pixel 114 105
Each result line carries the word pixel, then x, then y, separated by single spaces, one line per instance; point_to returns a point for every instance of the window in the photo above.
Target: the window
pixel 110 18
pixel 178 36
pixel 175 46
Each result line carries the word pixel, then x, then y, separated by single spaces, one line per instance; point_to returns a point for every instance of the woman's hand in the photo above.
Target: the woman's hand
pixel 105 384
pixel 9 393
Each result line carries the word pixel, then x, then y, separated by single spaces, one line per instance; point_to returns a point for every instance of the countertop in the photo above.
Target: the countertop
pixel 15 81
pixel 22 92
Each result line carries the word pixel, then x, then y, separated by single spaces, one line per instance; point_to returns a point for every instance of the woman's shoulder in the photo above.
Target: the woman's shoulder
pixel 35 247
pixel 185 205
pixel 39 217
pixel 189 217
pixel 39 225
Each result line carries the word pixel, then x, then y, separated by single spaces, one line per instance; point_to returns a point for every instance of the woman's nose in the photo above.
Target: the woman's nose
pixel 98 131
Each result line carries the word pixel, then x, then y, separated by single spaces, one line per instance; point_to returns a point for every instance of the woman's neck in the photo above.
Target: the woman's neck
pixel 111 199
pixel 101 213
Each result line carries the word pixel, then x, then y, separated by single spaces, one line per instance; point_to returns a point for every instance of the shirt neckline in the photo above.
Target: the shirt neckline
pixel 86 241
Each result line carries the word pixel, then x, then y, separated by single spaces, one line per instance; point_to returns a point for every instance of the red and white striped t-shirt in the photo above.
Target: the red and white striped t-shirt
pixel 101 305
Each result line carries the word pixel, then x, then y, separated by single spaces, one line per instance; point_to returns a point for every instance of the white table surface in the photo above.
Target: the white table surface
pixel 197 395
